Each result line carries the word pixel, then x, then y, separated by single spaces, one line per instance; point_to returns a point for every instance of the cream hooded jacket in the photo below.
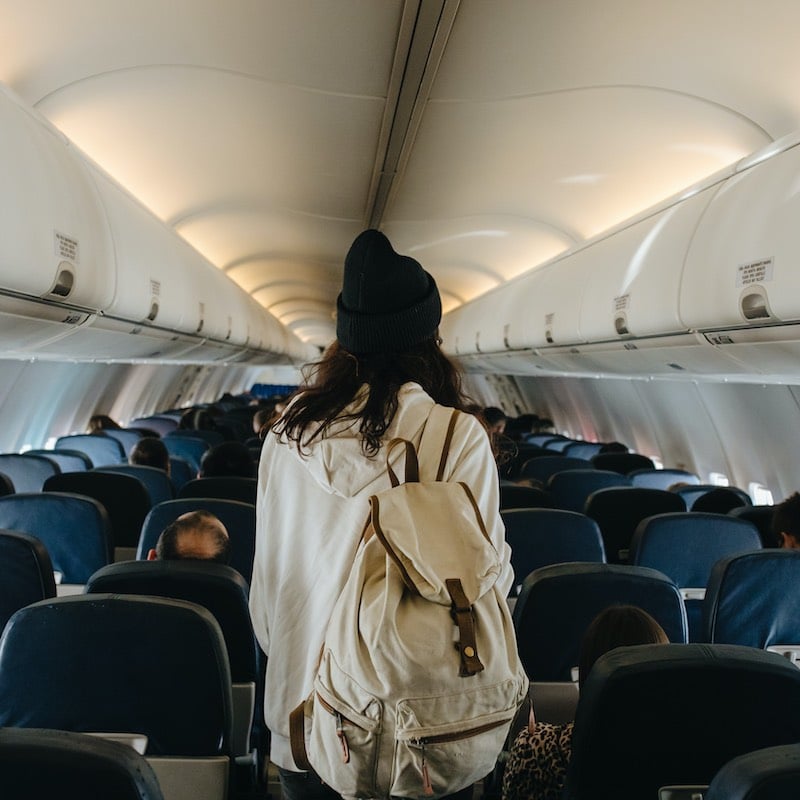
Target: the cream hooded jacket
pixel 311 511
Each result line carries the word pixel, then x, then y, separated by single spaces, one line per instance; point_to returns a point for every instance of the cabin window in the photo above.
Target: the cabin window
pixel 718 479
pixel 25 448
pixel 50 444
pixel 760 494
pixel 658 463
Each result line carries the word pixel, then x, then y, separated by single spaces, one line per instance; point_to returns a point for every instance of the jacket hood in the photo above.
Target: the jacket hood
pixel 337 462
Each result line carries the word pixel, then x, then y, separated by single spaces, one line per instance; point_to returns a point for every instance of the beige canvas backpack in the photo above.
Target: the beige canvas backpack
pixel 419 677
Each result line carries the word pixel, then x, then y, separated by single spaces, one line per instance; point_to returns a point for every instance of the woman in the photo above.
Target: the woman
pixel 325 456
pixel 537 765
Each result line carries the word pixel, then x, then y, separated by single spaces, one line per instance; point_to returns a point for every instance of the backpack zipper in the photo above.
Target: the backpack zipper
pixel 340 732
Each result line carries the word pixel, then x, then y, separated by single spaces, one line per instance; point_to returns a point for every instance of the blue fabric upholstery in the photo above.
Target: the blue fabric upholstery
pixel 119 665
pixel 190 448
pixel 524 497
pixel 99 449
pixel 67 460
pixel 223 487
pixel 212 437
pixel 156 481
pixel 74 529
pixel 541 469
pixel 754 599
pixel 691 494
pixel 180 471
pixel 539 537
pixel 512 457
pixel 219 588
pixel 582 449
pixel 619 510
pixel 661 478
pixel 622 462
pixel 128 439
pixel 722 499
pixel 159 423
pixel 6 485
pixel 38 763
pixel 27 573
pixel 557 604
pixel 28 473
pixel 769 774
pixel 558 445
pixel 571 489
pixel 761 517
pixel 657 715
pixel 238 518
pixel 124 498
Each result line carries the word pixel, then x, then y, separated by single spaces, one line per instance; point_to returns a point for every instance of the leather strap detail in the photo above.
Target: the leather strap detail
pixel 297 737
pixel 446 447
pixel 461 612
pixel 411 465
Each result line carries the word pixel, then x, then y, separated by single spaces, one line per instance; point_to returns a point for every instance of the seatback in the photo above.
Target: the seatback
pixel 190 448
pixel 558 445
pixel 582 449
pixel 129 664
pixel 124 498
pixel 524 497
pixel 67 460
pixel 685 546
pixel 761 517
pixel 722 499
pixel 128 439
pixel 212 437
pixel 74 529
pixel 619 510
pixel 661 478
pixel 41 763
pixel 539 537
pixel 28 473
pixel 513 456
pixel 557 603
pixel 754 599
pixel 223 487
pixel 160 423
pixel 156 481
pixel 180 471
pixel 100 449
pixel 238 518
pixel 541 469
pixel 769 774
pixel 570 489
pixel 656 715
pixel 622 462
pixel 27 573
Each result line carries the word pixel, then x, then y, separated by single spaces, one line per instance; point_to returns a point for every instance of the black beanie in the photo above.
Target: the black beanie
pixel 388 302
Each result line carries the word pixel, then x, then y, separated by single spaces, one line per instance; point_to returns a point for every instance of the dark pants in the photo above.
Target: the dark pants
pixel 305 786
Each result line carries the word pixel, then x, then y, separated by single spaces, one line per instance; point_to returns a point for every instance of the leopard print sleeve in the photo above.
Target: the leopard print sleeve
pixel 537 764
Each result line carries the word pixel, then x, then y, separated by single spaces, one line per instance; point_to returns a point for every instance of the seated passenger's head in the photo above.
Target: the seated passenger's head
pixel 617 626
pixel 495 419
pixel 101 422
pixel 196 536
pixel 786 523
pixel 150 452
pixel 227 459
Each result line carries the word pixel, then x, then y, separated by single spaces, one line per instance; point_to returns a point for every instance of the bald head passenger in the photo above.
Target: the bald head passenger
pixel 194 536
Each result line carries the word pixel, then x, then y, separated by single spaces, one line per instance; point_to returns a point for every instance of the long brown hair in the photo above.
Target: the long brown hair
pixel 334 383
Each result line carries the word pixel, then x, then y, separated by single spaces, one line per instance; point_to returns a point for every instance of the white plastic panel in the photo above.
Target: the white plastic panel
pixel 746 247
pixel 51 220
pixel 633 282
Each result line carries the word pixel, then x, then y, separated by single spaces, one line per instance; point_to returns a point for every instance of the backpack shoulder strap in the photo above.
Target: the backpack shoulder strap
pixel 448 437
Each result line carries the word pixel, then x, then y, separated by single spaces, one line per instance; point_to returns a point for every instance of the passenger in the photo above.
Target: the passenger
pixel 537 764
pixel 100 422
pixel 230 459
pixel 719 501
pixel 262 419
pixel 786 523
pixel 197 419
pixel 613 447
pixel 150 452
pixel 194 536
pixel 325 456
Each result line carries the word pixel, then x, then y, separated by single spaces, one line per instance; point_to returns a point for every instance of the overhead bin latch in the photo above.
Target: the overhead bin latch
pixel 754 304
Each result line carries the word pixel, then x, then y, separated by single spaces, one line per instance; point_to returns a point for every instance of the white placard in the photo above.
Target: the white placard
pixel 754 272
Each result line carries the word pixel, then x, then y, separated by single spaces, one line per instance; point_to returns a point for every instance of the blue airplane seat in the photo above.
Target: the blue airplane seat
pixel 622 462
pixel 27 473
pixel 541 469
pixel 662 478
pixel 74 529
pixel 511 457
pixel 772 773
pixel 539 537
pixel 658 715
pixel 691 494
pixel 156 481
pixel 761 517
pixel 619 509
pixel 190 448
pixel 180 472
pixel 722 499
pixel 238 518
pixel 37 763
pixel 558 445
pixel 6 485
pixel 124 498
pixel 582 449
pixel 27 573
pixel 515 496
pixel 570 489
pixel 557 603
pixel 159 423
pixel 224 487
pixel 753 599
pixel 213 437
pixel 685 546
pixel 127 438
pixel 125 664
pixel 67 460
pixel 98 448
